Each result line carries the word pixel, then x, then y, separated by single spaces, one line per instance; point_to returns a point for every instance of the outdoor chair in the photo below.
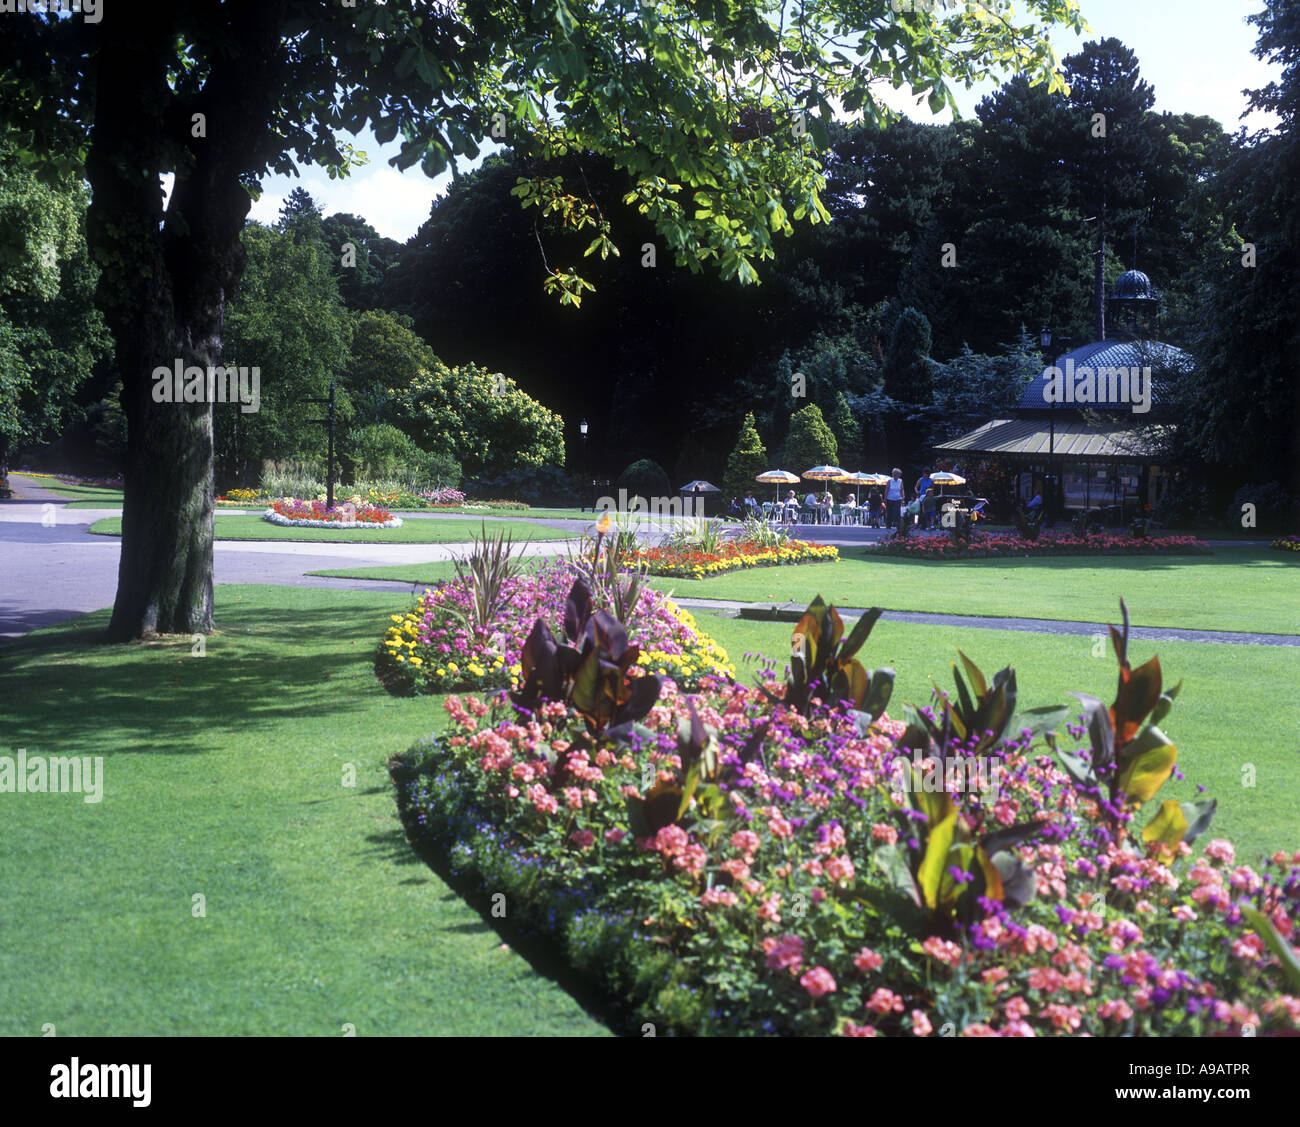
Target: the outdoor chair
pixel 807 515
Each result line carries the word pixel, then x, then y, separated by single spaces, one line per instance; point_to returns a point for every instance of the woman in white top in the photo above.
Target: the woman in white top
pixel 894 499
pixel 824 507
pixel 850 507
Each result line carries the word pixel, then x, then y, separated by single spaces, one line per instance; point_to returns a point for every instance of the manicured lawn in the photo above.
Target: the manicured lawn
pixel 1236 707
pixel 1237 588
pixel 230 526
pixel 223 777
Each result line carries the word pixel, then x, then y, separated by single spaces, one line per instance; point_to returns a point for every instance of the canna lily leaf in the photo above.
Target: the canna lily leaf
pixel 1018 880
pixel 1199 815
pixel 860 632
pixel 1147 771
pixel 976 677
pixel 1138 694
pixel 894 865
pixel 1166 829
pixel 934 865
pixel 1279 946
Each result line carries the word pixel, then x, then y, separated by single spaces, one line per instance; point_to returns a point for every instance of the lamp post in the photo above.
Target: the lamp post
pixel 586 475
pixel 329 465
pixel 1045 339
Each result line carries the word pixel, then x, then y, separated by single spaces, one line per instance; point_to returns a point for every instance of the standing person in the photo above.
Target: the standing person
pixel 893 499
pixel 923 486
pixel 874 504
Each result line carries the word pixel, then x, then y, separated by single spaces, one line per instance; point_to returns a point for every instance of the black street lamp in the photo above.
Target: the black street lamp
pixel 582 429
pixel 1045 339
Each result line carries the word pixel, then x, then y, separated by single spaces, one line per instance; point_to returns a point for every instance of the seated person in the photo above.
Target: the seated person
pixel 850 508
pixel 791 508
pixel 736 510
pixel 752 507
pixel 825 507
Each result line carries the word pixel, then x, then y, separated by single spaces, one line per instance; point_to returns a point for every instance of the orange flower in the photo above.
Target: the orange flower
pixel 602 525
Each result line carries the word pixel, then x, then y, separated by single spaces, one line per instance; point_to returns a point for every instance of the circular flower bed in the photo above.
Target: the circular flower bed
pixel 986 545
pixel 292 513
pixel 431 648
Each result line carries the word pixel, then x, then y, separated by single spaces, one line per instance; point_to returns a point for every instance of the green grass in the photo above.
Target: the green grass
pixel 1238 588
pixel 1236 706
pixel 231 526
pixel 223 776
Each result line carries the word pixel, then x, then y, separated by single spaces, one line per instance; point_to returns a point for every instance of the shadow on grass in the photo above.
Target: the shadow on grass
pixel 543 954
pixel 67 687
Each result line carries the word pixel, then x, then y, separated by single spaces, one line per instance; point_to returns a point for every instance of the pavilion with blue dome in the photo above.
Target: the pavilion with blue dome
pixel 1088 430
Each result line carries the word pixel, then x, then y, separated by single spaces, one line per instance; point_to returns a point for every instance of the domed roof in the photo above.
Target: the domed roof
pixel 1101 357
pixel 1133 284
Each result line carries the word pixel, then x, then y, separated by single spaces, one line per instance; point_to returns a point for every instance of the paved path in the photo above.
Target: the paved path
pixel 52 569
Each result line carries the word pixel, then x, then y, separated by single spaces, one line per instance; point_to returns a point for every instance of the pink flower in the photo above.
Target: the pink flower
pixel 722 896
pixel 1063 1017
pixel 978 1029
pixel 944 950
pixel 881 832
pixel 867 959
pixel 583 839
pixel 1115 1009
pixel 839 869
pixel 746 842
pixel 851 1030
pixel 921 1026
pixel 670 841
pixel 1046 979
pixel 769 909
pixel 1249 947
pixel 785 953
pixel 541 800
pixel 614 836
pixel 818 981
pixel 1016 1008
pixel 884 1001
pixel 1221 850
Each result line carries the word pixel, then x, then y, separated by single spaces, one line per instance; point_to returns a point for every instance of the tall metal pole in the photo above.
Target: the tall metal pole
pixel 329 466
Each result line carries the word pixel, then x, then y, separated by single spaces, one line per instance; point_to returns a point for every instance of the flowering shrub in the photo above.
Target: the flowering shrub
pixel 242 496
pixel 686 563
pixel 451 500
pixel 1287 543
pixel 732 866
pixel 985 545
pixel 314 514
pixel 432 649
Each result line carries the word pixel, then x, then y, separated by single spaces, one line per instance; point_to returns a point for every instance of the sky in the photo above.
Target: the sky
pixel 1196 54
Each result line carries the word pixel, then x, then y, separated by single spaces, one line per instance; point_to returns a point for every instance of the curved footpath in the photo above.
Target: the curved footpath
pixel 52 569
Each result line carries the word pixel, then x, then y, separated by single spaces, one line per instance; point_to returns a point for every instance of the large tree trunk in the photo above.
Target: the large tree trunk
pixel 165 282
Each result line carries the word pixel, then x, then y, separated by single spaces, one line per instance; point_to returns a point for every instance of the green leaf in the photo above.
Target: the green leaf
pixel 1147 772
pixel 1279 946
pixel 935 863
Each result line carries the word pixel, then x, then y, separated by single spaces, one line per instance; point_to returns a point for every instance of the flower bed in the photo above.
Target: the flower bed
pixel 688 563
pixel 985 545
pixel 734 866
pixel 1287 543
pixel 242 497
pixel 292 513
pixel 431 649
